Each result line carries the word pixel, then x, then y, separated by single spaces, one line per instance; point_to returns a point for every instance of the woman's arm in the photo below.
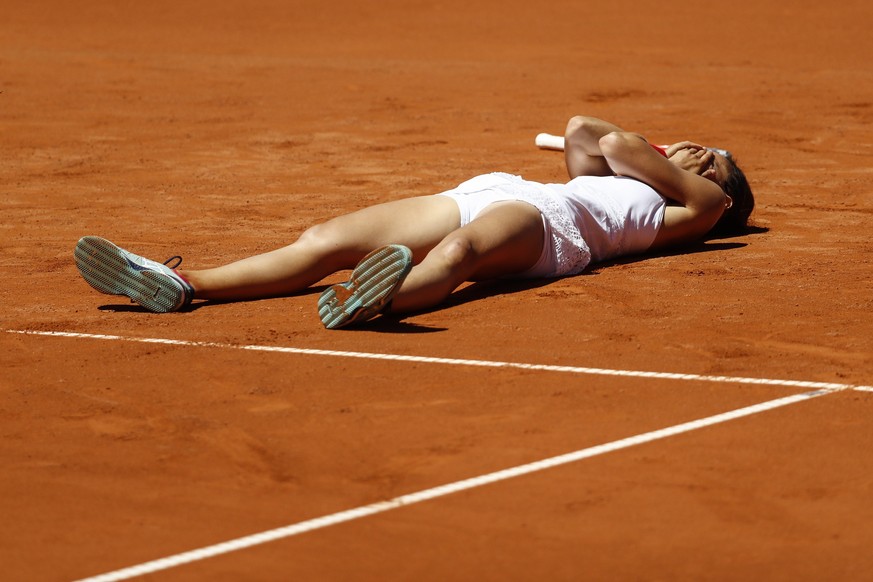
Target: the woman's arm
pixel 699 201
pixel 582 146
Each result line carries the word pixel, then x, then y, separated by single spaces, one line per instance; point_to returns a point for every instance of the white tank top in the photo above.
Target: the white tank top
pixel 616 216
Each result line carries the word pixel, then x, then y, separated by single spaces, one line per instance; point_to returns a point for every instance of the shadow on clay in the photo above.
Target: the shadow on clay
pixel 476 291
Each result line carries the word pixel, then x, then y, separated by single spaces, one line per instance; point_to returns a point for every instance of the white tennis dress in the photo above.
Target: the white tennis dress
pixel 590 218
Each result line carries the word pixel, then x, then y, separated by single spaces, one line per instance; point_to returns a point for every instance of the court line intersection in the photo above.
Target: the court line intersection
pixel 818 389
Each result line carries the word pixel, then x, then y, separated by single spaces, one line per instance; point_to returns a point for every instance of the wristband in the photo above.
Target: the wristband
pixel 660 149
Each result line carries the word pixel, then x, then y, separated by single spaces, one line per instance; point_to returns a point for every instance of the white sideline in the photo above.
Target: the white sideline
pixel 457 362
pixel 819 389
pixel 427 494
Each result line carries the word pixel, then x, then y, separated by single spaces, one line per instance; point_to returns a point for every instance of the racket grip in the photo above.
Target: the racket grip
pixel 548 141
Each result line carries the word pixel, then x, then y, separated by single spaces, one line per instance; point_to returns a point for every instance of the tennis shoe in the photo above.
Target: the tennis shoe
pixel 115 271
pixel 369 290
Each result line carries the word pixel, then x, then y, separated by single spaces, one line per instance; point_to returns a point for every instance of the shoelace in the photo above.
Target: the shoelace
pixel 166 263
pixel 176 258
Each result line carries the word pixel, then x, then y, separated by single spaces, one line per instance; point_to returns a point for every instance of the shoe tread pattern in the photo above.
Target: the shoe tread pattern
pixel 104 267
pixel 373 283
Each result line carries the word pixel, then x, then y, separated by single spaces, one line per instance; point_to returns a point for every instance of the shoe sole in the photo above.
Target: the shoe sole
pixel 104 266
pixel 372 285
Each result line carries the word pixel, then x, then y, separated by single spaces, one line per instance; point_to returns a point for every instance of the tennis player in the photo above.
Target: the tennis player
pixel 624 197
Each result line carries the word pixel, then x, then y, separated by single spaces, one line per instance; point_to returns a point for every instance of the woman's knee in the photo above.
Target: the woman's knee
pixel 315 234
pixel 316 237
pixel 456 252
pixel 328 242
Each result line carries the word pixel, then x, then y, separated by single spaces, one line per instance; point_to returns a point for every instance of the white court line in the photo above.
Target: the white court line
pixel 457 362
pixel 821 388
pixel 427 494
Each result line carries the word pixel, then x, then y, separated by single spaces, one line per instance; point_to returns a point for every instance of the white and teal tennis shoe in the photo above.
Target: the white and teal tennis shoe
pixel 115 271
pixel 369 290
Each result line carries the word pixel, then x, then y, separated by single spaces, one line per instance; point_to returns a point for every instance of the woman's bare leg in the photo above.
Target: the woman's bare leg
pixel 419 223
pixel 505 239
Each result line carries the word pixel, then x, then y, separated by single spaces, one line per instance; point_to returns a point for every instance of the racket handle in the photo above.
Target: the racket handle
pixel 548 141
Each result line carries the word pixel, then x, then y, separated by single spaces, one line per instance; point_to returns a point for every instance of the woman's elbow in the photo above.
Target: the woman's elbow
pixel 613 142
pixel 576 124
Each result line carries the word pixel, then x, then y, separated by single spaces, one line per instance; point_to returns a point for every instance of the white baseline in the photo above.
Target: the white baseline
pixel 819 389
pixel 806 385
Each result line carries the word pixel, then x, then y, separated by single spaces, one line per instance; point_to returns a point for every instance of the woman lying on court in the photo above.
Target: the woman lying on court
pixel 624 197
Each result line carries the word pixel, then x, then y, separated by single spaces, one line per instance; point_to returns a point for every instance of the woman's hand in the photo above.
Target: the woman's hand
pixel 692 157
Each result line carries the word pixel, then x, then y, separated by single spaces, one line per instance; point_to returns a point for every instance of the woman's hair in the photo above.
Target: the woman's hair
pixel 735 219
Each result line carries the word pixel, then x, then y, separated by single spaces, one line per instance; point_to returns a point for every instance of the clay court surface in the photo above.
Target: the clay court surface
pixel 217 130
